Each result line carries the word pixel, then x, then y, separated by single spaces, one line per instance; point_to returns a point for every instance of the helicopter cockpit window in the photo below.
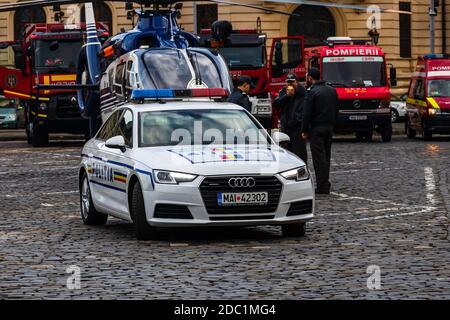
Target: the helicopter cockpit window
pixel 169 68
pixel 206 70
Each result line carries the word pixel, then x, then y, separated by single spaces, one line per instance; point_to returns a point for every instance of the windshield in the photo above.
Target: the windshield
pixel 171 69
pixel 5 110
pixel 244 57
pixel 354 72
pixel 57 54
pixel 198 127
pixel 439 88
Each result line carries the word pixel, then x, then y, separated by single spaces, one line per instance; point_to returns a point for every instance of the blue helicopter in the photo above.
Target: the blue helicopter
pixel 155 54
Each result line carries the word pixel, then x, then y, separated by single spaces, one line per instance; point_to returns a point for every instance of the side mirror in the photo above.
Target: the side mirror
pixel 393 76
pixel 280 137
pixel 117 142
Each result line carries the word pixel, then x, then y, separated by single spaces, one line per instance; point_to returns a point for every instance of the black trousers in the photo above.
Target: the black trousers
pixel 320 143
pixel 297 145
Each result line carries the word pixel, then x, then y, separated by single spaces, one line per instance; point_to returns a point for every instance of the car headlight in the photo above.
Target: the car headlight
pixel 299 174
pixel 12 117
pixel 168 177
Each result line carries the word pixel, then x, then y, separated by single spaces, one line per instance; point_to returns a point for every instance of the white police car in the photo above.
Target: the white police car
pixel 195 162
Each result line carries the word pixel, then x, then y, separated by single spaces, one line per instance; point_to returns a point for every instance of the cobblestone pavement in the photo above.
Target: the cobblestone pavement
pixel 389 208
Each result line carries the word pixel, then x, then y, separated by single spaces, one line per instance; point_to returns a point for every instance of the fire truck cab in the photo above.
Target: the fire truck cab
pixel 428 103
pixel 47 55
pixel 358 71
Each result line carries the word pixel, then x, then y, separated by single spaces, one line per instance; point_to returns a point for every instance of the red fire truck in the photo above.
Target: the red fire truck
pixel 246 53
pixel 47 55
pixel 359 72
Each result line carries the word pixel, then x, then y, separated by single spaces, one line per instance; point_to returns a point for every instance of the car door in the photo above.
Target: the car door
pixel 101 172
pixel 120 165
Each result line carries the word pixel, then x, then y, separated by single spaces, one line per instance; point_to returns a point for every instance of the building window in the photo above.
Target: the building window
pixel 22 17
pixel 316 24
pixel 405 31
pixel 102 13
pixel 206 15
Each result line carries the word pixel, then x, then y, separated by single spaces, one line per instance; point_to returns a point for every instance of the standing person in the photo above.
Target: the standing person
pixel 319 116
pixel 290 103
pixel 240 94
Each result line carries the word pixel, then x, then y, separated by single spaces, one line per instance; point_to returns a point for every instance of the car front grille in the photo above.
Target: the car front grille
pixel 300 208
pixel 213 185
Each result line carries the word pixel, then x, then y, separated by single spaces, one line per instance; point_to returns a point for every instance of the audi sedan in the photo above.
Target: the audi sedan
pixel 194 163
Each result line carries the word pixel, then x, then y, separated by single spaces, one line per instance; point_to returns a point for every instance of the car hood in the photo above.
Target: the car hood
pixel 219 160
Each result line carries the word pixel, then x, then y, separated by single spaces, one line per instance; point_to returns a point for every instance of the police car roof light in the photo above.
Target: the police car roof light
pixel 142 94
pixel 209 92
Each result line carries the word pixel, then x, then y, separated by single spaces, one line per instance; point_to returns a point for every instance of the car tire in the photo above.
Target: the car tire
pixel 394 116
pixel 39 136
pixel 142 229
pixel 410 133
pixel 386 132
pixel 89 215
pixel 294 230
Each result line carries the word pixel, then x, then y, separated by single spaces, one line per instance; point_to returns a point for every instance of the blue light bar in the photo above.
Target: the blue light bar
pixel 142 94
pixel 436 56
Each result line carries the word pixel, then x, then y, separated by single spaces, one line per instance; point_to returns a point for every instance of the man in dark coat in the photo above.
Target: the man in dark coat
pixel 319 115
pixel 290 103
pixel 240 94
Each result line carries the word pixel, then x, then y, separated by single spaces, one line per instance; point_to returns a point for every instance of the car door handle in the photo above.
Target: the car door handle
pixel 90 155
pixel 104 159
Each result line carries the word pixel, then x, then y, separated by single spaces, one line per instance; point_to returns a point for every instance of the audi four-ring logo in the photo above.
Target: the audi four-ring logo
pixel 242 182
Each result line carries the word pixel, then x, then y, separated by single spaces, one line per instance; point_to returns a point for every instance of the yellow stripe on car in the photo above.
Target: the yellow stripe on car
pixel 416 102
pixel 433 103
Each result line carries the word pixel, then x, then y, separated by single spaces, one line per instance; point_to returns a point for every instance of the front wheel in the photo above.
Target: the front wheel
pixel 386 132
pixel 294 230
pixel 427 134
pixel 89 215
pixel 142 229
pixel 39 136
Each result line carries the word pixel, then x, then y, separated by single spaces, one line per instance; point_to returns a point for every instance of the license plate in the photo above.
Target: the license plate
pixel 242 198
pixel 358 117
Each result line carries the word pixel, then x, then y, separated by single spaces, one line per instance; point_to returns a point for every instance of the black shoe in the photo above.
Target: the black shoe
pixel 318 191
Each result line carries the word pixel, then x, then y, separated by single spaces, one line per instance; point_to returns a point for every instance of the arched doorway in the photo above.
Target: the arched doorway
pixel 22 17
pixel 315 23
pixel 102 13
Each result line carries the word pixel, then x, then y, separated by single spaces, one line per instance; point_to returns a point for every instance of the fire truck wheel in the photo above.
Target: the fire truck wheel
pixel 89 215
pixel 39 136
pixel 410 133
pixel 386 132
pixel 27 131
pixel 294 230
pixel 427 135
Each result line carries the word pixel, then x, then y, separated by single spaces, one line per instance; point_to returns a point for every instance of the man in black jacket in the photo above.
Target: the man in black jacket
pixel 240 94
pixel 290 103
pixel 319 116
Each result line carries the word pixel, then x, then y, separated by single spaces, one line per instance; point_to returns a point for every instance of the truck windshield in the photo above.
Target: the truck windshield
pixel 244 57
pixel 170 128
pixel 439 88
pixel 354 72
pixel 56 53
pixel 171 68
